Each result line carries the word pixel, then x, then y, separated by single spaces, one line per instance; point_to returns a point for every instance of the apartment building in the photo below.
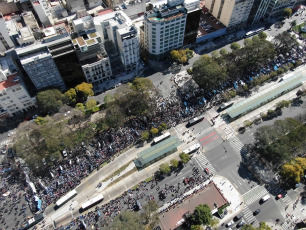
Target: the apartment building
pixel 128 44
pixel 93 58
pixel 192 21
pixel 14 97
pixel 232 13
pixel 74 5
pixel 164 28
pixel 5 39
pixel 60 46
pixel 39 65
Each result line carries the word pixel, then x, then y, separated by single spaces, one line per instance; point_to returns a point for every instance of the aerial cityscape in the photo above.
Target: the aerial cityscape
pixel 152 114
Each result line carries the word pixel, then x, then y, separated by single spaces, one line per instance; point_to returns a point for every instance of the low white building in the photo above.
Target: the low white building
pixel 14 97
pixel 5 39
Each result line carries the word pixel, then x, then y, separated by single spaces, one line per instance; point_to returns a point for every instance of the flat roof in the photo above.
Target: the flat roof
pixel 210 195
pixel 11 81
pixel 157 150
pixel 262 97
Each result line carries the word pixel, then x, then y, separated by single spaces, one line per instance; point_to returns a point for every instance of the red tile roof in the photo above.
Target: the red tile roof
pixel 9 82
pixel 105 12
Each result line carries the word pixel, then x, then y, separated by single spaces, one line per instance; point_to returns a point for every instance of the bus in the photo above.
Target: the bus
pixel 195 120
pixel 192 149
pixel 33 221
pixel 224 106
pixel 65 198
pixel 91 202
pixel 161 138
pixel 254 32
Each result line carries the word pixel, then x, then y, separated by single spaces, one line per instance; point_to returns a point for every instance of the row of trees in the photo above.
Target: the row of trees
pixel 212 72
pixel 166 168
pixel 147 135
pixel 282 141
pixel 51 100
pixel 262 226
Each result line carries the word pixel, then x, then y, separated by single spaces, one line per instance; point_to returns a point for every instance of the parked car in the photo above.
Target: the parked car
pixel 229 224
pixel 256 212
pixel 240 224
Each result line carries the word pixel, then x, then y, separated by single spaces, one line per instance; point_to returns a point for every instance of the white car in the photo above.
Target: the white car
pixel 229 223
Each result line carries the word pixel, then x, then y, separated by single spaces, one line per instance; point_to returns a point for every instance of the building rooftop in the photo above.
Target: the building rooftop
pixel 118 18
pixel 11 81
pixel 26 32
pixel 30 20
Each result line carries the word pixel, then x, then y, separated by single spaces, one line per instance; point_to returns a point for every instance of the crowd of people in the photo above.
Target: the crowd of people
pixel 135 199
pixel 66 174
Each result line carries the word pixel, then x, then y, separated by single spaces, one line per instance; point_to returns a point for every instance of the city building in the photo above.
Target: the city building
pixel 5 39
pixel 258 11
pixel 164 28
pixel 60 46
pixel 128 44
pixel 8 7
pixel 74 5
pixel 39 65
pixel 30 21
pixel 83 24
pixel 192 22
pixel 132 9
pixel 233 13
pixel 14 97
pixel 93 58
pixel 42 11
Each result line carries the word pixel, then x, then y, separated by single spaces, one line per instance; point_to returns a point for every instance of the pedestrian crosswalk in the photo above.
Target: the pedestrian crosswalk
pixel 202 160
pixel 254 194
pixel 208 129
pixel 237 145
pixel 249 217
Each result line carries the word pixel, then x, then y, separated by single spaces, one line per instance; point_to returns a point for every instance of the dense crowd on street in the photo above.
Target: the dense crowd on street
pixel 66 174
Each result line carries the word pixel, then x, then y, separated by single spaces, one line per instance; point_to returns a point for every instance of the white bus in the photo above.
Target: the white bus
pixel 65 198
pixel 161 138
pixel 92 202
pixel 192 149
pixel 254 32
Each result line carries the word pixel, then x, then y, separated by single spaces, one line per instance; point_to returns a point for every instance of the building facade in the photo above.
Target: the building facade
pixel 14 97
pixel 232 13
pixel 128 44
pixel 192 21
pixel 39 65
pixel 164 28
pixel 93 58
pixel 5 39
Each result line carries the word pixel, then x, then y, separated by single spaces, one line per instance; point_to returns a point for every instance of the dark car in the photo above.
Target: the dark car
pixel 256 212
pixel 240 224
pixel 239 216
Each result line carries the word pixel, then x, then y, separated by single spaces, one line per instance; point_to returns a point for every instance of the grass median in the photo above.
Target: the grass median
pixel 117 171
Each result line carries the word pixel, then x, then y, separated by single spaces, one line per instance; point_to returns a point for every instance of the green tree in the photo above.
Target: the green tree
pixel 162 127
pixel 202 215
pixel 208 74
pixel 223 52
pixel 154 131
pixel 280 71
pixel 235 46
pixel 91 105
pixel 150 215
pixel 128 220
pixel 248 227
pixel 284 42
pixel 247 42
pixel 40 120
pixel 184 157
pixel 145 136
pixel 293 23
pixel 114 116
pixel 255 39
pixel 195 227
pixel 262 35
pixel 108 99
pixel 80 107
pixel 50 100
pixel 287 12
pixel 294 170
pixel 84 90
pixel 174 163
pixel 164 168
pixel 283 104
pixel 72 96
pixel 263 226
pixel 215 55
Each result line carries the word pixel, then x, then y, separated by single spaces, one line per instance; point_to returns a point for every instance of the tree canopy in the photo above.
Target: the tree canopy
pixel 84 90
pixel 294 170
pixel 285 42
pixel 181 56
pixel 50 100
pixel 287 12
pixel 202 215
pixel 235 46
pixel 127 220
pixel 165 168
pixel 207 73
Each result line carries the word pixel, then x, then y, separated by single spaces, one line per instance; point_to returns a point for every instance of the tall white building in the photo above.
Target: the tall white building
pixel 5 40
pixel 128 44
pixel 93 58
pixel 40 67
pixel 14 97
pixel 164 28
pixel 42 11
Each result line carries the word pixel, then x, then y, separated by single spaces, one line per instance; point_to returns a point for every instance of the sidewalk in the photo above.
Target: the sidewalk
pixel 232 195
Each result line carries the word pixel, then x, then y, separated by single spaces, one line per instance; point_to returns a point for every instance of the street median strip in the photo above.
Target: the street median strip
pixel 122 177
pixel 117 171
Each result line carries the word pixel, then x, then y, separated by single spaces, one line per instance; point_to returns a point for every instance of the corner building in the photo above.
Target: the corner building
pixel 164 28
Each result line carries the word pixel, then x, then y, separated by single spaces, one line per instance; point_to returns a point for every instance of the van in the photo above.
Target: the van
pixel 64 153
pixel 265 198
